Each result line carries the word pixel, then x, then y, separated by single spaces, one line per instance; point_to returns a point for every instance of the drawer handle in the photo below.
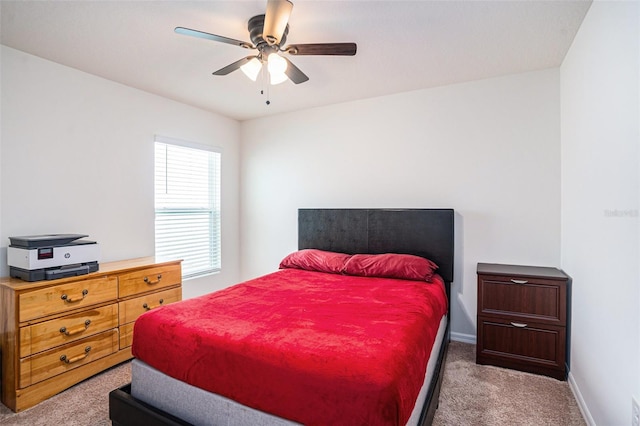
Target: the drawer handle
pixel 148 308
pixel 518 324
pixel 76 330
pixel 74 299
pixel 519 281
pixel 146 280
pixel 77 358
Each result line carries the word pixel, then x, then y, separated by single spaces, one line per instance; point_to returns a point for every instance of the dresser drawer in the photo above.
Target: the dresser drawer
pixel 66 297
pixel 522 298
pixel 531 347
pixel 56 361
pixel 126 335
pixel 131 309
pixel 149 279
pixel 49 334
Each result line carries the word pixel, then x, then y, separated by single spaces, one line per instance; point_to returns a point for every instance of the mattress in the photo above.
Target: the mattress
pixel 313 347
pixel 200 407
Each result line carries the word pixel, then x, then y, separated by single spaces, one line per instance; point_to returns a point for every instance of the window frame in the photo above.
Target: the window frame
pixel 214 232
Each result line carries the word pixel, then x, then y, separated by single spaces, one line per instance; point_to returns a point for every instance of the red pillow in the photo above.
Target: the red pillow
pixel 391 265
pixel 316 260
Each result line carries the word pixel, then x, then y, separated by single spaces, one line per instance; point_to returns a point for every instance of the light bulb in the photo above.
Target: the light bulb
pixel 252 68
pixel 277 66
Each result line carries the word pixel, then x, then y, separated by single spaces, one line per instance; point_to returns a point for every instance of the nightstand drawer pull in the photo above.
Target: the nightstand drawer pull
pixel 518 324
pixel 72 299
pixel 519 281
pixel 146 280
pixel 148 308
pixel 77 330
pixel 66 360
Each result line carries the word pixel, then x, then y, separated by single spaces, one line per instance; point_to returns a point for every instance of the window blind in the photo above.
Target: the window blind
pixel 187 206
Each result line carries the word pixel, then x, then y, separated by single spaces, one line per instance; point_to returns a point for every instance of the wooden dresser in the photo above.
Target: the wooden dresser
pixel 522 318
pixel 54 334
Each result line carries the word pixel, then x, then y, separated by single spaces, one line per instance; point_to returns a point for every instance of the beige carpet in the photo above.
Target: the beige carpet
pixel 471 395
pixel 85 404
pixel 484 395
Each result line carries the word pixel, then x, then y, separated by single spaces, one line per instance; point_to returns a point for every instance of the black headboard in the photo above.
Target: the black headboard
pixel 423 232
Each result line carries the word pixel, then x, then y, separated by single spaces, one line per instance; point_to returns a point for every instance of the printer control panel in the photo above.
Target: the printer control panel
pixel 45 253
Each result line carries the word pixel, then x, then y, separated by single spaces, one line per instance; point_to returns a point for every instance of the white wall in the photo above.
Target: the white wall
pixel 489 149
pixel 600 202
pixel 77 157
pixel 1 250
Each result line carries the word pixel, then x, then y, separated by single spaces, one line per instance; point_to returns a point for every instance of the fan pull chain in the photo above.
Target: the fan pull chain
pixel 266 83
pixel 263 78
pixel 268 101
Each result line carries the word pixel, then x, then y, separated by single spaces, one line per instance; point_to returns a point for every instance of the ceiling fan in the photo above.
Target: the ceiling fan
pixel 268 34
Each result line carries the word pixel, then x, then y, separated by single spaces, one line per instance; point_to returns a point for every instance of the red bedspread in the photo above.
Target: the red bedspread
pixel 312 347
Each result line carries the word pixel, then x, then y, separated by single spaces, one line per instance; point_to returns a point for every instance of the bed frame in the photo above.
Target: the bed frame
pixel 423 232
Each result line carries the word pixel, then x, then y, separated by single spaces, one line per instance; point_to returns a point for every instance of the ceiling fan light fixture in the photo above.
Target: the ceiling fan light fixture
pixel 277 66
pixel 252 68
pixel 268 34
pixel 275 20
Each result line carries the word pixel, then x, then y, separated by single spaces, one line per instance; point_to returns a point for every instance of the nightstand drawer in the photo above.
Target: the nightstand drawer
pixel 150 279
pixel 530 347
pixel 60 331
pixel 66 297
pixel 523 298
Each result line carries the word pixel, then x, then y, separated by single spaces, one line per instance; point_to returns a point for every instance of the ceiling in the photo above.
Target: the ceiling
pixel 402 45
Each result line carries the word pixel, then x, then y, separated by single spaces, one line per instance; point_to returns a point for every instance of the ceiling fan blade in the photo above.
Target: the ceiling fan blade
pixel 234 66
pixel 294 73
pixel 275 20
pixel 341 49
pixel 214 37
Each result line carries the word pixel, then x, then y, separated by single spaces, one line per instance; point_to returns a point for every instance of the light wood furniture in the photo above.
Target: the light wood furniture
pixel 54 334
pixel 522 318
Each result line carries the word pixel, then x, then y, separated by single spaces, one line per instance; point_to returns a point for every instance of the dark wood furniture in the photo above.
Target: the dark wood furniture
pixel 523 316
pixel 424 232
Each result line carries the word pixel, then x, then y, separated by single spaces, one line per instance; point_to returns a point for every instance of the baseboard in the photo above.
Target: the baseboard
pixel 464 338
pixel 580 400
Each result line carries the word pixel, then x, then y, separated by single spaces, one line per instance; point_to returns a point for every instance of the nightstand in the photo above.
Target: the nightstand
pixel 523 318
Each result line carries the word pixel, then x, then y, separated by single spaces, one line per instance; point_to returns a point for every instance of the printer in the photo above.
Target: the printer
pixel 48 257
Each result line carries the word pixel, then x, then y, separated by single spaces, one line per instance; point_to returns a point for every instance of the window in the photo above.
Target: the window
pixel 187 205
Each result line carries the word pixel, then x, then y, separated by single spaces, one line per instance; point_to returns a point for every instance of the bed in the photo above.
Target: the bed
pixel 295 371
